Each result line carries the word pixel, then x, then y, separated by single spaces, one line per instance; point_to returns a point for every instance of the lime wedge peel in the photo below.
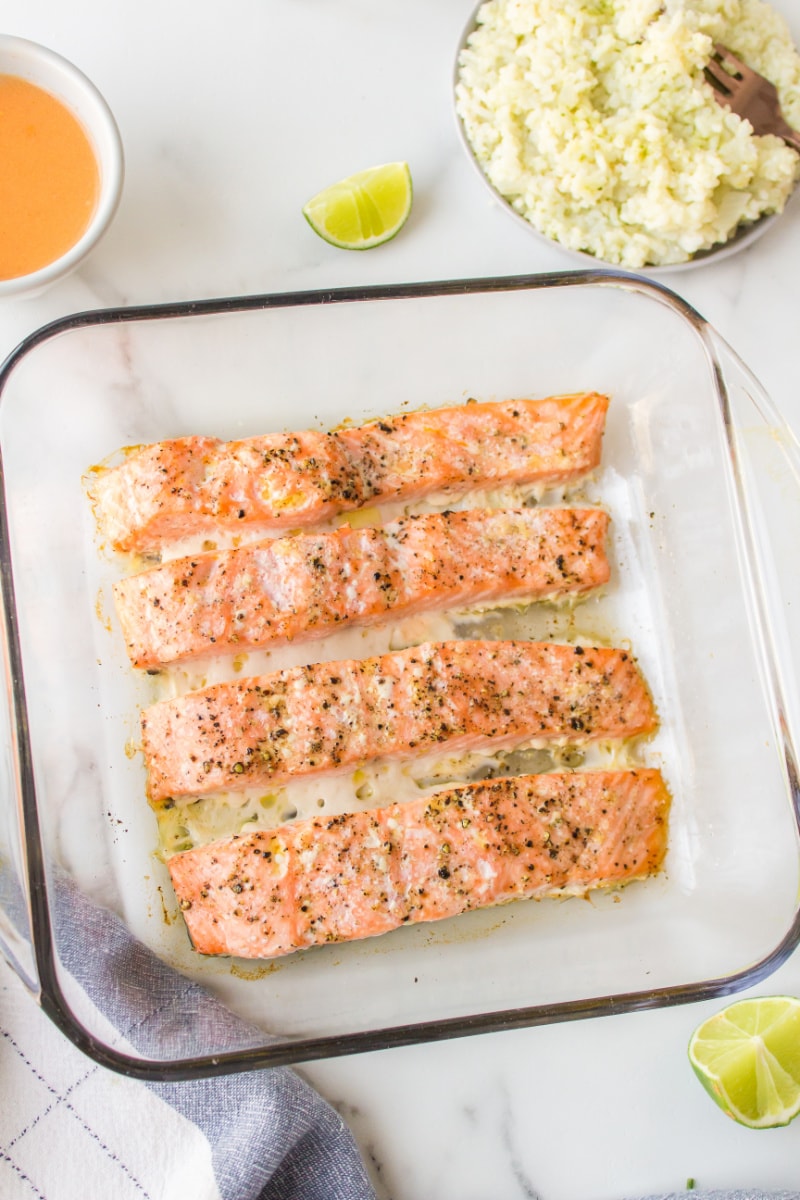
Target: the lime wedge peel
pixel 364 210
pixel 748 1059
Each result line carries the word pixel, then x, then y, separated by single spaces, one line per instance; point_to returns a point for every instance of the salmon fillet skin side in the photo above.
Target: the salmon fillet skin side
pixel 335 879
pixel 447 696
pixel 307 586
pixel 191 485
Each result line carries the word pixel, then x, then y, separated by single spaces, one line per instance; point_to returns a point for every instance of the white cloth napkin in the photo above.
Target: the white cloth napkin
pixel 70 1130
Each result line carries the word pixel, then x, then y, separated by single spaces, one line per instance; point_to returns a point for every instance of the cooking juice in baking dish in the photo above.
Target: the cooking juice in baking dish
pixel 49 180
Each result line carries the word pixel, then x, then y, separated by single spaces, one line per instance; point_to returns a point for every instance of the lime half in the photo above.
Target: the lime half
pixel 363 210
pixel 748 1059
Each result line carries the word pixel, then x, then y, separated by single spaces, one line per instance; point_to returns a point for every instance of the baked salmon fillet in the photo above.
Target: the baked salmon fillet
pixel 447 696
pixel 309 585
pixel 335 879
pixel 192 485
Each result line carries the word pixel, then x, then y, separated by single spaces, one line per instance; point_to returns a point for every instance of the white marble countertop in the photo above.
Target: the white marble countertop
pixel 231 117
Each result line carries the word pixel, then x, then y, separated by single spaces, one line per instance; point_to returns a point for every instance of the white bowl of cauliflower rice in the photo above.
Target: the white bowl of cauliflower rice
pixel 593 121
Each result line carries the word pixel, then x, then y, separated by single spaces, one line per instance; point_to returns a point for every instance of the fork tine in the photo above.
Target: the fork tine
pixel 719 79
pixel 723 55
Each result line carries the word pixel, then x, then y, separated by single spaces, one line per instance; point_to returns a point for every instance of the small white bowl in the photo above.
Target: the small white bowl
pixel 49 71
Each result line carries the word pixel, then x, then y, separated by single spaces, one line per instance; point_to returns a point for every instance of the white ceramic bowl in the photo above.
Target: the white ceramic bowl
pixel 743 237
pixel 42 67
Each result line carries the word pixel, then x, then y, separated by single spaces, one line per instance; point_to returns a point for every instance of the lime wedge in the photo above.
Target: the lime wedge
pixel 748 1059
pixel 364 210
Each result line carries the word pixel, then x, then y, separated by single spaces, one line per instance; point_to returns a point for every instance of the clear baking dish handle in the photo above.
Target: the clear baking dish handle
pixel 16 942
pixel 765 475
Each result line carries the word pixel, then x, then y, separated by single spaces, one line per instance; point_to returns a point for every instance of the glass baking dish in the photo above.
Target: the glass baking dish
pixel 702 479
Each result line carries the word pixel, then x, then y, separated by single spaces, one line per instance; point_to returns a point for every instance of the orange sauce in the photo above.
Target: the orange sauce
pixel 49 178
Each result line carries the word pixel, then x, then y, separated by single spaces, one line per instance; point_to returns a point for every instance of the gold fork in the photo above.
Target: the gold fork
pixel 749 95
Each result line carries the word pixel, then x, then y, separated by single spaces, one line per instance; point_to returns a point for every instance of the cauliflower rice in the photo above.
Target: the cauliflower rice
pixel 593 119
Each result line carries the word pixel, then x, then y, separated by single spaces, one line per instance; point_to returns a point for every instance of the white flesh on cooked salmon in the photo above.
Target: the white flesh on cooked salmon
pixel 334 879
pixel 192 485
pixel 307 586
pixel 448 696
